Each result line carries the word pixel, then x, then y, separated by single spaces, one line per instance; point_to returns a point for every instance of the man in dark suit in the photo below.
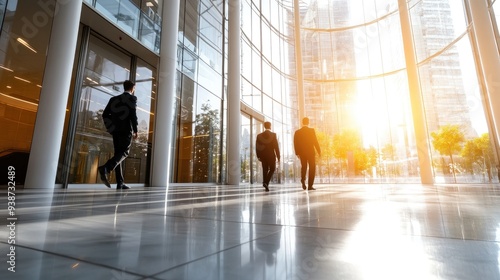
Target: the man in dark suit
pixel 120 119
pixel 304 142
pixel 267 150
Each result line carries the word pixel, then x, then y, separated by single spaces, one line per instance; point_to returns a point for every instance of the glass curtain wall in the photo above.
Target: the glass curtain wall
pixel 268 82
pixel 24 38
pixel 200 86
pixel 356 91
pixel 455 116
pixel 357 96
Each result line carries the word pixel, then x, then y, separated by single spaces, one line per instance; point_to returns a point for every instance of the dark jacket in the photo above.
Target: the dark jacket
pixel 266 146
pixel 304 142
pixel 120 114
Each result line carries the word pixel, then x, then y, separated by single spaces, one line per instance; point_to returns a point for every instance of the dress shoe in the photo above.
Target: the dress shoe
pixel 303 185
pixel 122 187
pixel 311 188
pixel 104 175
pixel 265 186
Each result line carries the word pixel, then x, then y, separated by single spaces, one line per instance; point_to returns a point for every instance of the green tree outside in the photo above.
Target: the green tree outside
pixel 448 140
pixel 478 151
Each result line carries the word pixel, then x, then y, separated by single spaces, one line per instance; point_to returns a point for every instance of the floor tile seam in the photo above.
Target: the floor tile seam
pixel 281 196
pixel 113 204
pixel 240 222
pixel 200 258
pixel 184 217
pixel 100 212
pixel 148 214
pixel 214 220
pixel 77 259
pixel 256 188
pixel 229 195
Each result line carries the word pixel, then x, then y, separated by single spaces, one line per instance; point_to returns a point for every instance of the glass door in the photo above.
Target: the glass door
pixel 246 148
pixel 258 127
pixel 251 168
pixel 105 70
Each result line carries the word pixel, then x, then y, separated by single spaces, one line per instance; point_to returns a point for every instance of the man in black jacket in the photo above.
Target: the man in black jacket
pixel 267 150
pixel 120 119
pixel 304 142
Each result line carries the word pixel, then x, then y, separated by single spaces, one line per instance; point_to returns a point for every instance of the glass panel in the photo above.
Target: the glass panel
pixel 105 70
pixel 256 99
pixel 149 33
pixel 266 41
pixel 210 22
pixel 246 148
pixel 256 69
pixel 141 22
pixel 453 103
pixel 265 10
pixel 146 89
pixel 206 138
pixel 246 19
pixel 267 106
pixel 3 8
pixel 122 12
pixel 275 50
pixel 246 60
pixel 275 8
pixel 191 18
pixel 189 62
pixel 267 79
pixel 246 91
pixel 257 127
pixel 186 133
pixel 276 92
pixel 444 21
pixel 208 78
pixel 211 56
pixel 255 29
pixel 23 47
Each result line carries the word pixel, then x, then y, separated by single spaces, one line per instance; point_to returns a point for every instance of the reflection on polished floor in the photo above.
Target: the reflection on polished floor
pixel 227 232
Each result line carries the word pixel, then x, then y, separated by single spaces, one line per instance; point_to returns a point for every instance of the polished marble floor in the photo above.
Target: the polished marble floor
pixel 227 232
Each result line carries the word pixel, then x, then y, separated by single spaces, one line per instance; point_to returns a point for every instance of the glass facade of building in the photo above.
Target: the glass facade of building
pixel 24 39
pixel 356 89
pixel 268 81
pixel 198 153
pixel 354 78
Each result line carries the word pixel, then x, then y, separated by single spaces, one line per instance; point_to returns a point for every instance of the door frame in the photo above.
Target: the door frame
pixel 255 117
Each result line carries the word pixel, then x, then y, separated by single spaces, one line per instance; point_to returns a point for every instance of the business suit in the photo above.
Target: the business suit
pixel 305 143
pixel 267 151
pixel 120 119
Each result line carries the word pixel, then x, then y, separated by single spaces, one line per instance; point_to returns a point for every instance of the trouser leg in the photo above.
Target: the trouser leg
pixel 303 168
pixel 119 174
pixel 272 167
pixel 265 169
pixel 121 145
pixel 312 172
